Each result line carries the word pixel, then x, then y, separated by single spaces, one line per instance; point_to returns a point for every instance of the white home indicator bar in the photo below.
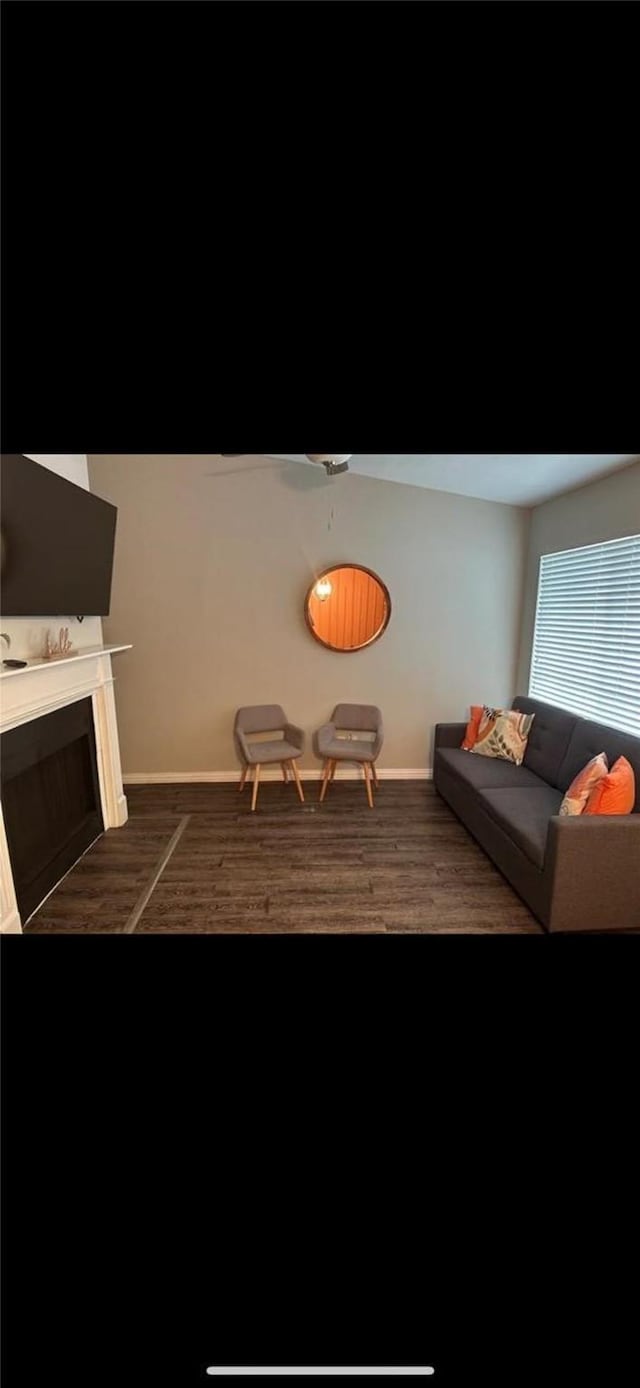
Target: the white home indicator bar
pixel 269 1370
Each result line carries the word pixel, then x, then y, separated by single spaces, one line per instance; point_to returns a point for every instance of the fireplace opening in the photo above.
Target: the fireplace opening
pixel 50 798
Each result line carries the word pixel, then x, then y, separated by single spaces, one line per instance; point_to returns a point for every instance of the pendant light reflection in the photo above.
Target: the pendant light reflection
pixel 323 589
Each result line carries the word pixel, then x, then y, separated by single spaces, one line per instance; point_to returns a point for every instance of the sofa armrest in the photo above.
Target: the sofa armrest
pixel 449 734
pixel 593 862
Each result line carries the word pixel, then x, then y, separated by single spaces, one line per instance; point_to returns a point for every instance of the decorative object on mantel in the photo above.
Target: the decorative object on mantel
pixel 44 662
pixel 11 664
pixel 61 647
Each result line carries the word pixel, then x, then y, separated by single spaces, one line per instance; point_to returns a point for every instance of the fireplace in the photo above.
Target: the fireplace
pixel 64 764
pixel 50 797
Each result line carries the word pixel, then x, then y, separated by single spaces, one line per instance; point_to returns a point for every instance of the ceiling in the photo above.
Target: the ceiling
pixel 519 479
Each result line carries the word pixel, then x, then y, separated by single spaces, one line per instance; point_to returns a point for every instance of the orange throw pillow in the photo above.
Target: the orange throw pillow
pixel 471 733
pixel 616 792
pixel 583 784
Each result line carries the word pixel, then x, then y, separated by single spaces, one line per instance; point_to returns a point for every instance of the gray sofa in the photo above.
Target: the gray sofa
pixel 575 873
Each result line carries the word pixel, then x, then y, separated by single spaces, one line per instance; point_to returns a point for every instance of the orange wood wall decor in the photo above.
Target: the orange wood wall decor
pixel 353 614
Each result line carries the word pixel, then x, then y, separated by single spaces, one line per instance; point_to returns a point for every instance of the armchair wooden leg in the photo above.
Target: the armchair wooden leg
pixel 333 770
pixel 375 775
pixel 297 779
pixel 285 773
pixel 256 778
pixel 325 780
pixel 243 778
pixel 367 777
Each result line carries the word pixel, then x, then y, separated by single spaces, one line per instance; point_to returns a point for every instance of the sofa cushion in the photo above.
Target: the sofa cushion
pixel 590 738
pixel 524 815
pixel 548 740
pixel 477 772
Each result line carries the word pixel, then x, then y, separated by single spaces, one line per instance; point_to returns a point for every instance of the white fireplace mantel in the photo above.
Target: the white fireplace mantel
pixel 39 688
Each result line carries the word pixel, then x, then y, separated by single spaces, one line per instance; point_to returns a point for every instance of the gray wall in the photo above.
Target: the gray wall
pixel 604 510
pixel 210 578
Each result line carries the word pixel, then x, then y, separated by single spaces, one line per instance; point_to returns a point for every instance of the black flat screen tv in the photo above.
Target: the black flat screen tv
pixel 57 544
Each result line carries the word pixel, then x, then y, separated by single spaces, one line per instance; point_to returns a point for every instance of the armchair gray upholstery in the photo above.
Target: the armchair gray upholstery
pixel 294 735
pixel 352 719
pixel 284 748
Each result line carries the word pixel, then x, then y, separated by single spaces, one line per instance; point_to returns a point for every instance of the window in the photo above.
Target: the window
pixel 586 644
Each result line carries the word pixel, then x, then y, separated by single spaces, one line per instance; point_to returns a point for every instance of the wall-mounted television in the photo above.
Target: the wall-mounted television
pixel 57 544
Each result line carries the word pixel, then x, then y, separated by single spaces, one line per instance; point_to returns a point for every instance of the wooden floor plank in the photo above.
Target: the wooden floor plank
pixel 409 866
pixel 100 892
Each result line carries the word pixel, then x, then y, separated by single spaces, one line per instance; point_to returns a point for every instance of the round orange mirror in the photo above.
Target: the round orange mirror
pixel 347 607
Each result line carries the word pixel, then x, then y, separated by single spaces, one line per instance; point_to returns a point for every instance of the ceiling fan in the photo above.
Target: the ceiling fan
pixel 333 463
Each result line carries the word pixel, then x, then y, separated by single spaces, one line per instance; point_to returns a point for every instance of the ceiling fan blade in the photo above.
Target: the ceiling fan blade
pixel 331 468
pixel 240 471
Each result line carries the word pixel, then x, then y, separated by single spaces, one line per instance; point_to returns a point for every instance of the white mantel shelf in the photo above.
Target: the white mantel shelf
pixel 85 674
pixel 46 662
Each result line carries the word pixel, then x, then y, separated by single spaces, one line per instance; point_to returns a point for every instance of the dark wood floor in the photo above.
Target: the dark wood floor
pixel 407 866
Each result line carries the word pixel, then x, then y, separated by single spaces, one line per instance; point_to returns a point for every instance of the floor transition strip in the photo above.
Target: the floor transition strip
pixel 157 874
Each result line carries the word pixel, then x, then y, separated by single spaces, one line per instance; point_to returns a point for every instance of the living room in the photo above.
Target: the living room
pixel 217 567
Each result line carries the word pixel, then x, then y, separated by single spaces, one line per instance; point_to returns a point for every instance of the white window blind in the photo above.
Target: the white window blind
pixel 586 645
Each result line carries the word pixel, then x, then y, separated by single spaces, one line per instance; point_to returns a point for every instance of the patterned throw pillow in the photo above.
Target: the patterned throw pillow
pixel 503 732
pixel 471 732
pixel 583 784
pixel 616 792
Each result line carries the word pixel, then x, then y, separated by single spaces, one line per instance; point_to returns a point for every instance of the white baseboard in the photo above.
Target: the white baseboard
pixel 162 778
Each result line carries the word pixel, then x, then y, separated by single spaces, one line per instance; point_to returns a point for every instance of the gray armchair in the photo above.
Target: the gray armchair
pixel 351 719
pixel 284 748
